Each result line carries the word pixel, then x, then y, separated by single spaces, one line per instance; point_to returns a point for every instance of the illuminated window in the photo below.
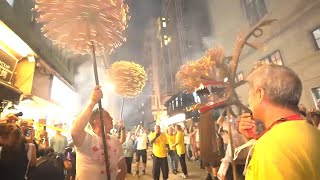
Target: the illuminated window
pixel 274 58
pixel 10 2
pixel 164 24
pixel 239 77
pixel 173 105
pixel 255 10
pixel 196 97
pixel 177 101
pixel 166 39
pixel 316 37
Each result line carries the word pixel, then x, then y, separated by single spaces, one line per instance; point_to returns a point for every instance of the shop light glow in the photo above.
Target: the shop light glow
pixel 174 119
pixel 63 95
pixel 9 41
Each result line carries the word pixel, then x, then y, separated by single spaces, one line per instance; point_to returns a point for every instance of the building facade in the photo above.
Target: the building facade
pixel 30 60
pixel 293 40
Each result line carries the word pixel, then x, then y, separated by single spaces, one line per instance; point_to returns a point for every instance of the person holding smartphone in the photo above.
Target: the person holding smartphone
pixel 16 154
pixel 160 145
pixel 29 133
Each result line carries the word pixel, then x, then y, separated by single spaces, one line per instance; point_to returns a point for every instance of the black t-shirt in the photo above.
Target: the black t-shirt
pixel 13 164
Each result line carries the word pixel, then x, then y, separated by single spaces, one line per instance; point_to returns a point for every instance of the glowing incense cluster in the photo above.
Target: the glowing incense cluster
pixel 128 78
pixel 194 73
pixel 77 24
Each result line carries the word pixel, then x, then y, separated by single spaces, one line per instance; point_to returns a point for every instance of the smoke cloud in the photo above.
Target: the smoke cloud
pixel 85 82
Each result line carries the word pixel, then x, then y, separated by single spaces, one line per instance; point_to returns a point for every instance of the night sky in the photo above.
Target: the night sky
pixel 140 11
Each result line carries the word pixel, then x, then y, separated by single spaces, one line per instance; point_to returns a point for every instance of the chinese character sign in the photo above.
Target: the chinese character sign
pixel 7 66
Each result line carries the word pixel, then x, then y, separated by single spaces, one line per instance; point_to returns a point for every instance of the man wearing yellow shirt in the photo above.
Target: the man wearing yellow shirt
pixel 172 151
pixel 159 149
pixel 289 147
pixel 181 150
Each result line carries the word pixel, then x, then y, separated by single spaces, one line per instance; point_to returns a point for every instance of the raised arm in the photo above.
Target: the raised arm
pixel 77 131
pixel 122 134
pixel 155 138
pixel 137 130
pixel 190 129
pixel 33 155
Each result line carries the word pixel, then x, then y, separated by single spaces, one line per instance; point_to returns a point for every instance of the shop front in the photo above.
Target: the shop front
pixel 29 85
pixel 7 67
pixel 9 94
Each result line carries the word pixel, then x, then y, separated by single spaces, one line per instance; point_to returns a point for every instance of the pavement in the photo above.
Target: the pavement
pixel 194 171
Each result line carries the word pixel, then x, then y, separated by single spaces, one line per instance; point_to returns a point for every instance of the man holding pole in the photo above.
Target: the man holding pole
pixel 90 151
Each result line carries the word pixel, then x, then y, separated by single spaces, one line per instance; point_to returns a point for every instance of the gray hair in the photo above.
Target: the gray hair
pixel 282 85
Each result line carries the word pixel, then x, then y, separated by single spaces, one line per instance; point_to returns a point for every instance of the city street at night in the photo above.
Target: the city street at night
pixel 159 89
pixel 193 168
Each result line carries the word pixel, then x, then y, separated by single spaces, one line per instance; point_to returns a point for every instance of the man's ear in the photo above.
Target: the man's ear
pixel 261 94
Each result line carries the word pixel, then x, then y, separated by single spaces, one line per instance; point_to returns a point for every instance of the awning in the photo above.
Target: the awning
pixel 10 93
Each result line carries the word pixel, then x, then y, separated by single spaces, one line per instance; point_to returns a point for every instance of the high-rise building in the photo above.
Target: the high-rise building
pixel 184 33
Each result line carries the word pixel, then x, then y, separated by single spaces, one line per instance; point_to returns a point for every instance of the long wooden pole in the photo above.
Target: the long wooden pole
pixel 104 141
pixel 121 111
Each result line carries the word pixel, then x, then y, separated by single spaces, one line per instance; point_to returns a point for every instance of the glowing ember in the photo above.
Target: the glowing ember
pixel 128 78
pixel 193 73
pixel 77 24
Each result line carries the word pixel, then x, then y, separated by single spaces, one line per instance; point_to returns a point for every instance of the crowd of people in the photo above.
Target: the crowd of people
pixel 28 153
pixel 279 139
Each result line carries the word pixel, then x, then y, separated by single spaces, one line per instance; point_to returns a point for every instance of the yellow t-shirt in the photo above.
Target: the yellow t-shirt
pixel 181 149
pixel 171 141
pixel 289 151
pixel 159 146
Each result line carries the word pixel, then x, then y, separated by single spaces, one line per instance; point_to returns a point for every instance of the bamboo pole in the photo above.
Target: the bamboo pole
pixel 121 112
pixel 104 141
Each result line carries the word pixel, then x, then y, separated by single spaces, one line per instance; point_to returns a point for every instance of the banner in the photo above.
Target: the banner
pixel 7 66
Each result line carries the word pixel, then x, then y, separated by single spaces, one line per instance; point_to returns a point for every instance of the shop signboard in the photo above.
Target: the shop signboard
pixel 7 66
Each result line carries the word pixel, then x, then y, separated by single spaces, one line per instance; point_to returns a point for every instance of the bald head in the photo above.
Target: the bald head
pixel 157 128
pixel 170 130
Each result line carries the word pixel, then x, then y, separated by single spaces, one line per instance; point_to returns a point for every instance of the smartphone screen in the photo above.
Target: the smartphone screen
pixel 28 134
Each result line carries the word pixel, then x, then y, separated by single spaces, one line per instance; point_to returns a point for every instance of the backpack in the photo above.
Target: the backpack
pixel 50 166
